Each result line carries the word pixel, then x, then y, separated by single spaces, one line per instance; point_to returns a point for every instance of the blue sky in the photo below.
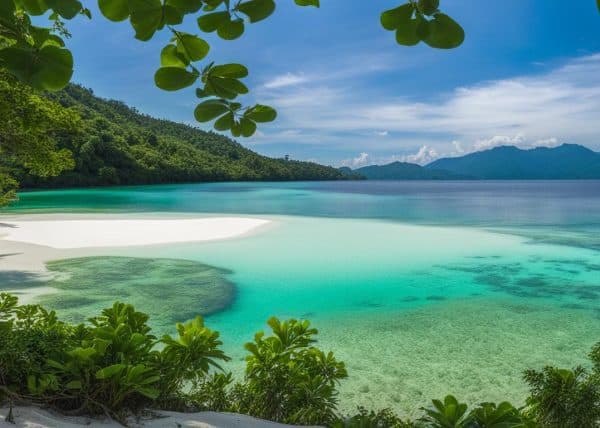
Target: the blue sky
pixel 528 74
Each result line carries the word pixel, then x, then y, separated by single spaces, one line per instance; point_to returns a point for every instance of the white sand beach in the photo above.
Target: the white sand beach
pixel 32 417
pixel 124 232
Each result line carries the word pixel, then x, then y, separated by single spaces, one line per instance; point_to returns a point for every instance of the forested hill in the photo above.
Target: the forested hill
pixel 118 145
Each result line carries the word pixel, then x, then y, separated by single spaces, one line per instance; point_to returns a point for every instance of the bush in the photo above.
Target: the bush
pixel 111 365
pixel 287 379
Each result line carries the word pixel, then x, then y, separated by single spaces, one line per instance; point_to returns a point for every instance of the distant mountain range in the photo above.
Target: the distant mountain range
pixel 568 161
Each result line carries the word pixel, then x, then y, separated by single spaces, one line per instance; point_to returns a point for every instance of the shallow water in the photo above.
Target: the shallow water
pixel 406 281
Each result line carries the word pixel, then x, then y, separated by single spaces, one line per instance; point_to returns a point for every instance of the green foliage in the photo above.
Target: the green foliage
pixel 385 418
pixel 419 21
pixel 30 129
pixel 112 364
pixel 564 398
pixel 447 414
pixel 72 139
pixel 289 380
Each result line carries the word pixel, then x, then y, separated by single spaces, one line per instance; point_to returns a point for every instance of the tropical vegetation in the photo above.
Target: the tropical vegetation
pixel 113 366
pixel 71 138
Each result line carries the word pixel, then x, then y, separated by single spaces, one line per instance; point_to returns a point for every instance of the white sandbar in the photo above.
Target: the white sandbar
pixel 97 233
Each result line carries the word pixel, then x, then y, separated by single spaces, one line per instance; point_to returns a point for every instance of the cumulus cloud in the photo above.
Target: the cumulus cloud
pixel 424 156
pixel 562 105
pixel 362 159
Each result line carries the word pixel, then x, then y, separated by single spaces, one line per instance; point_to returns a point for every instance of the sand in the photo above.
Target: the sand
pixel 125 232
pixel 32 417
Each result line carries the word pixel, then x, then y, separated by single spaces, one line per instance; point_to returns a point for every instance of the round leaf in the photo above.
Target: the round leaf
pixel 169 57
pixel 224 123
pixel 211 21
pixel 257 10
pixel 54 68
pixel 261 113
pixel 68 9
pixel 444 33
pixel 247 127
pixel 406 34
pixel 174 78
pixel 231 30
pixel 392 19
pixel 209 109
pixel 115 10
pixel 35 7
pixel 236 71
pixel 191 46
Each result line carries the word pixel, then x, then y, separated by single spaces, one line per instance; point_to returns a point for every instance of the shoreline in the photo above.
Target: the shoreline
pixel 32 416
pixel 29 241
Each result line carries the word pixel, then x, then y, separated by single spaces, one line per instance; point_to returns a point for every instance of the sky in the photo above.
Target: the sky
pixel 528 74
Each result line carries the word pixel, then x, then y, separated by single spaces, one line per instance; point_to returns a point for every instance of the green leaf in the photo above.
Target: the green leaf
pixel 392 19
pixel 74 384
pixel 115 10
pixel 261 113
pixel 211 21
pixel 146 17
pixel 185 6
pixel 191 46
pixel 231 30
pixel 55 68
pixel 406 34
pixel 7 9
pixel 236 71
pixel 422 27
pixel 149 392
pixel 169 57
pixel 68 9
pixel 35 7
pixel 444 33
pixel 110 371
pixel 598 4
pixel 224 122
pixel 307 3
pixel 209 109
pixel 247 127
pixel 428 7
pixel 174 78
pixel 172 15
pixel 257 10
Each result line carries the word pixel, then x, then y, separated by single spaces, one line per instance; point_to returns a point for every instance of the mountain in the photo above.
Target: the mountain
pixel 118 145
pixel 568 161
pixel 405 171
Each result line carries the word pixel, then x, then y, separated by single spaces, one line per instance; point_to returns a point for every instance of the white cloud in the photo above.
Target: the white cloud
pixel 362 159
pixel 424 156
pixel 562 105
pixel 288 79
pixel 382 133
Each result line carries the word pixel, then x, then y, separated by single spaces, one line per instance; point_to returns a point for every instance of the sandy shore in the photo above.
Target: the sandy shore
pixel 124 232
pixel 28 241
pixel 32 417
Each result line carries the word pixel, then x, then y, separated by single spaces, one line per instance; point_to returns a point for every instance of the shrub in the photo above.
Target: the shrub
pixel 110 365
pixel 563 398
pixel 385 418
pixel 287 379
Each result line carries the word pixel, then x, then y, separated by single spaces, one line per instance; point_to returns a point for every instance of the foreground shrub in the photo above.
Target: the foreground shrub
pixel 109 366
pixel 287 379
pixel 385 418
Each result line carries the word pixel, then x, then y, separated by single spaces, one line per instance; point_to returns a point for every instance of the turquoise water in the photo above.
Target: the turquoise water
pixel 422 288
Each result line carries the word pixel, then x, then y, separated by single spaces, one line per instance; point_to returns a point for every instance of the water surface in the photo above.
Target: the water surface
pixel 423 288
